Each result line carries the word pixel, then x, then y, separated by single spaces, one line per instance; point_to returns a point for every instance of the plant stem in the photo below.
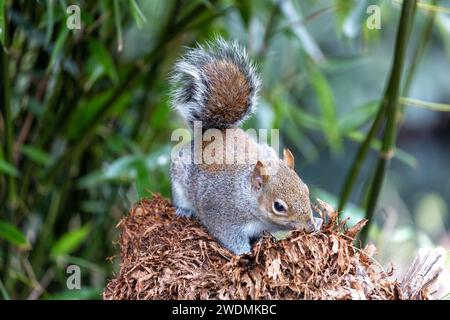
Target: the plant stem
pixel 5 108
pixel 118 25
pixel 4 292
pixel 419 52
pixel 392 107
pixel 359 159
pixel 5 100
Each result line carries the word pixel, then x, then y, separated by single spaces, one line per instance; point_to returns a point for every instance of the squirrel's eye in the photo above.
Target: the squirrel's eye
pixel 279 207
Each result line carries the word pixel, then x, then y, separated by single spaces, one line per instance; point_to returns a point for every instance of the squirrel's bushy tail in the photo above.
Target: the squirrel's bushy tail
pixel 215 84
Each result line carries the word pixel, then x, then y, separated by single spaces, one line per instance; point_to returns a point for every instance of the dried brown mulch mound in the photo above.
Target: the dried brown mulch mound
pixel 164 256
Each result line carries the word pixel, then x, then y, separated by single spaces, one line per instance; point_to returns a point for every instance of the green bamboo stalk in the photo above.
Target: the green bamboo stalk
pixel 5 109
pixel 57 201
pixel 45 131
pixel 363 149
pixel 419 52
pixel 5 100
pixel 417 57
pixel 392 110
pixel 359 159
pixel 41 246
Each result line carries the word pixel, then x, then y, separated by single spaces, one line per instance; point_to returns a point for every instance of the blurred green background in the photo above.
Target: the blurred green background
pixel 85 121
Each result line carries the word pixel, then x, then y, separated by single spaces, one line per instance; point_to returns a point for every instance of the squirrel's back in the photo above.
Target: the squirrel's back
pixel 215 84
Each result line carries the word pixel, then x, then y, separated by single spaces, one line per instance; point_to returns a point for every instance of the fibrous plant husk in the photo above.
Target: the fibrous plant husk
pixel 165 256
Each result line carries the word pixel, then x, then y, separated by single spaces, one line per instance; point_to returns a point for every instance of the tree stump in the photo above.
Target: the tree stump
pixel 164 256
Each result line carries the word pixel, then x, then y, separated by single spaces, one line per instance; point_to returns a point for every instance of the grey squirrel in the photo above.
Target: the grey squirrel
pixel 218 86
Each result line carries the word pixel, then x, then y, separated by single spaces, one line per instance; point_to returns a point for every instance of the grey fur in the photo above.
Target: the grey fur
pixel 221 196
pixel 222 200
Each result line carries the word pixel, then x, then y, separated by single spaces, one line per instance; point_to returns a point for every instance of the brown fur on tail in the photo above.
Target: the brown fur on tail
pixel 216 85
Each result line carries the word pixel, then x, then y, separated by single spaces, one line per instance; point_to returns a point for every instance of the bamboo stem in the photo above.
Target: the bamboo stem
pixel 419 52
pixel 5 98
pixel 392 108
pixel 5 108
pixel 359 159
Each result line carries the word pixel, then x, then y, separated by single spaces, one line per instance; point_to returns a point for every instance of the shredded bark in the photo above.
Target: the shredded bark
pixel 164 256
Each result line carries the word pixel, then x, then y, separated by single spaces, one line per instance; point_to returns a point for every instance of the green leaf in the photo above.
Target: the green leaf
pixel 82 263
pixel 8 168
pixel 295 19
pixel 143 180
pixel 95 71
pixel 4 292
pixel 70 241
pixel 2 22
pixel 354 119
pixel 91 180
pixel 285 109
pixel 120 168
pixel 13 235
pixel 327 105
pixel 125 169
pixel 244 10
pixel 82 294
pixel 161 115
pixel 138 16
pixel 101 63
pixel 301 141
pixel 37 155
pixel 59 45
pixel 85 112
pixel 50 21
pixel 344 8
pixel 243 7
pixel 306 119
pixel 354 22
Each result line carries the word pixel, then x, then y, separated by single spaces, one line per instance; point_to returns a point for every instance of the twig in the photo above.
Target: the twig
pixel 45 281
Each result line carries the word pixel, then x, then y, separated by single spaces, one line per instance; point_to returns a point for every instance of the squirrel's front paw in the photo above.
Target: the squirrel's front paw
pixel 318 223
pixel 241 248
pixel 183 212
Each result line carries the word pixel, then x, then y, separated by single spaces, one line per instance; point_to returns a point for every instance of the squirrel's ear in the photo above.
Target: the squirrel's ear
pixel 288 158
pixel 259 176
